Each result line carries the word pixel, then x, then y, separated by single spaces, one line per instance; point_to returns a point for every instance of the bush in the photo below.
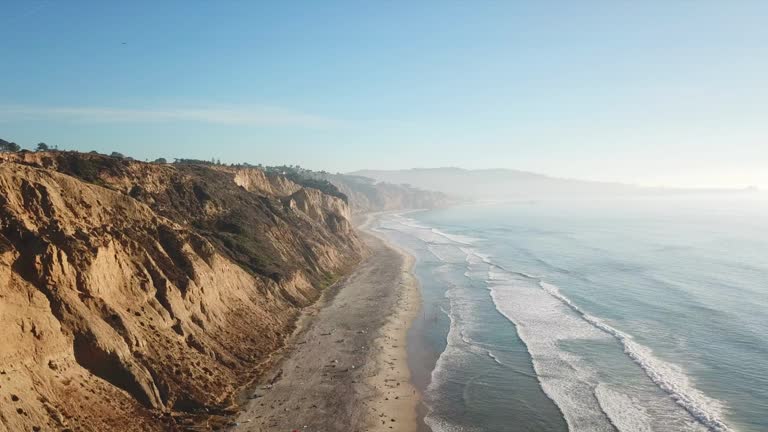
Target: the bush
pixel 6 146
pixel 304 177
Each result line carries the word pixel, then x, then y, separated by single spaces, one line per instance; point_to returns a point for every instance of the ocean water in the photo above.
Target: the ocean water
pixel 632 315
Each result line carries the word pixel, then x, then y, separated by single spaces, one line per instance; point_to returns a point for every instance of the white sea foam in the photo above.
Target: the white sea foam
pixel 452 357
pixel 456 238
pixel 440 366
pixel 461 350
pixel 425 234
pixel 412 223
pixel 429 234
pixel 625 412
pixel 670 377
pixel 434 251
pixel 495 359
pixel 544 318
pixel 473 255
pixel 542 323
pixel 442 425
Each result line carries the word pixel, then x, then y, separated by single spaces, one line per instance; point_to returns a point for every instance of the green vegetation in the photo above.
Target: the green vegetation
pixel 6 146
pixel 182 161
pixel 306 178
pixel 88 169
pixel 301 176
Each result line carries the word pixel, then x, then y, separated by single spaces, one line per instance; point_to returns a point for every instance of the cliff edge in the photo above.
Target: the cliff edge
pixel 138 296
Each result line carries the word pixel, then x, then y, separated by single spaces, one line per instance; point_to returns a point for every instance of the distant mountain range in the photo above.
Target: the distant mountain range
pixel 512 184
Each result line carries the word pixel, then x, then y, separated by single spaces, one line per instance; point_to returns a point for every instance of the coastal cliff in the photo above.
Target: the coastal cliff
pixel 368 195
pixel 137 296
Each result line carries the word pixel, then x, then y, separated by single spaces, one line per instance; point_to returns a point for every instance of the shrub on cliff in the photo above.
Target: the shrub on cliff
pixel 305 178
pixel 87 167
pixel 6 146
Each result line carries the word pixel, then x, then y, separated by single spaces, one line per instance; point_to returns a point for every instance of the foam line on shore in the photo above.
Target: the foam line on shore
pixel 391 363
pixel 667 376
pixel 704 411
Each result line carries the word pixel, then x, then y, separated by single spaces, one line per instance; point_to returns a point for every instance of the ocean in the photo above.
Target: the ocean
pixel 616 315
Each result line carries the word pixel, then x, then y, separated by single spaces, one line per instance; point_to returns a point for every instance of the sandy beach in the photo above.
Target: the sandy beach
pixel 345 367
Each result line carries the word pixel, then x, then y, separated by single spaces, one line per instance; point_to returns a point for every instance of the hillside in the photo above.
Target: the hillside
pixel 138 296
pixel 513 184
pixel 368 195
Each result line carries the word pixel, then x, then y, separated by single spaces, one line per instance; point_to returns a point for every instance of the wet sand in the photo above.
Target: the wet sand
pixel 345 368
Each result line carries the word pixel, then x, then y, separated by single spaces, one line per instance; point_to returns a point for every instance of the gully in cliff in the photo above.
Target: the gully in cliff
pixel 144 297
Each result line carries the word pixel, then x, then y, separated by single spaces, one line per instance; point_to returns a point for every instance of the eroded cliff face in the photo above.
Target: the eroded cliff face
pixel 314 204
pixel 366 195
pixel 133 296
pixel 255 180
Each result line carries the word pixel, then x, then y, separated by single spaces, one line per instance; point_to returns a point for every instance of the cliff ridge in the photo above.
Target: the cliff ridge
pixel 138 296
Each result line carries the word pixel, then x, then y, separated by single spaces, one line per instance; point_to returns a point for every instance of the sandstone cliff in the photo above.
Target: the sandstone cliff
pixel 255 180
pixel 367 195
pixel 134 296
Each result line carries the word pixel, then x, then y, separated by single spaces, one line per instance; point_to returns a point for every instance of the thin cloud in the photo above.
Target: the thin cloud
pixel 261 116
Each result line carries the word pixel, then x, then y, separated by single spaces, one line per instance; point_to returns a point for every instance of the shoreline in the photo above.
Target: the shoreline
pixel 392 359
pixel 345 367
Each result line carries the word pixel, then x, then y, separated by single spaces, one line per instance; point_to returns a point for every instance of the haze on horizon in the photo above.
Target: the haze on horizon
pixel 655 93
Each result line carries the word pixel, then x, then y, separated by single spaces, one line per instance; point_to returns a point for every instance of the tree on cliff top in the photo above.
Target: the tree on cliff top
pixel 42 147
pixel 6 146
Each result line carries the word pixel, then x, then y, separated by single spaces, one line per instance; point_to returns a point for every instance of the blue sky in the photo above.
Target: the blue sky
pixel 668 92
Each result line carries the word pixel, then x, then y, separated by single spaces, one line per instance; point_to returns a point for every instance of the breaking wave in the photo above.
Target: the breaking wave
pixel 543 317
pixel 667 376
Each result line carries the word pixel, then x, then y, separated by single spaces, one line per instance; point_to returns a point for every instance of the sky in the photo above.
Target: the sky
pixel 666 92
